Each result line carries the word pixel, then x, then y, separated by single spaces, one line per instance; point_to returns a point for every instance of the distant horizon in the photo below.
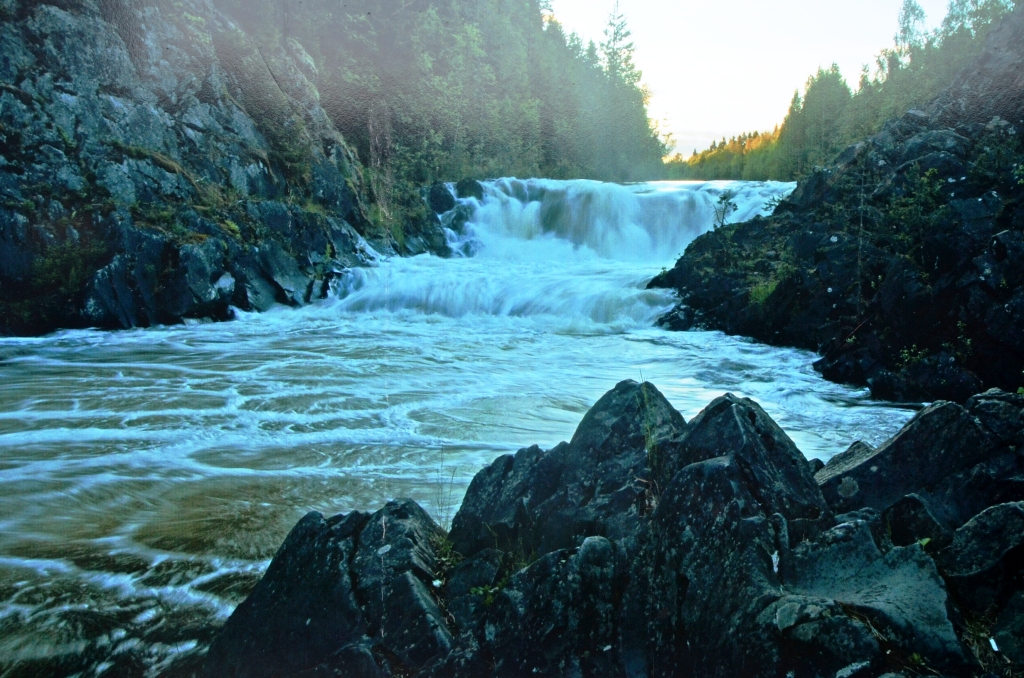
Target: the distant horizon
pixel 771 50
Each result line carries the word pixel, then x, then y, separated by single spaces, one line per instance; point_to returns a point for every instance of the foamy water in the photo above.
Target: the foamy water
pixel 148 476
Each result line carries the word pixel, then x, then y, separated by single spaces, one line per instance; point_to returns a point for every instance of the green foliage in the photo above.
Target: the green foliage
pixel 430 90
pixel 724 207
pixel 446 558
pixel 828 116
pixel 913 213
pixel 912 355
pixel 54 288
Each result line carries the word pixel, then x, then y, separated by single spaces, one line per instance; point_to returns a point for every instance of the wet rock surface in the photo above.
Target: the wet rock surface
pixel 652 546
pixel 898 264
pixel 157 163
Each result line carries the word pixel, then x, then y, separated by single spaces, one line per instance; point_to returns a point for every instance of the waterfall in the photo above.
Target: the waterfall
pixel 576 251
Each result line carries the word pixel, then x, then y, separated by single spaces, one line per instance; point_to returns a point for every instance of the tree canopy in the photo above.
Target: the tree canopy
pixel 434 90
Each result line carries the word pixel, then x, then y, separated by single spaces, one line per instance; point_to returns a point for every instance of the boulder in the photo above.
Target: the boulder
pixel 1008 631
pixel 912 521
pixel 440 199
pixel 304 608
pixel 739 429
pixel 900 593
pixel 339 595
pixel 1000 413
pixel 469 188
pixel 940 440
pixel 984 564
pixel 394 567
pixel 559 616
pixel 599 483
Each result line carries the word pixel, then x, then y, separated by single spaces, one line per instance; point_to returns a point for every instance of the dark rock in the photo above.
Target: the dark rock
pixel 911 521
pixel 734 567
pixel 815 465
pixel 469 188
pixel 598 484
pixel 293 287
pixel 936 141
pixel 985 562
pixel 1009 629
pixel 679 319
pixel 457 218
pixel 351 661
pixel 739 429
pixel 1000 413
pixel 469 584
pixel 303 609
pixel 559 616
pixel 440 198
pixel 900 592
pixel 340 594
pixel 714 576
pixel 941 440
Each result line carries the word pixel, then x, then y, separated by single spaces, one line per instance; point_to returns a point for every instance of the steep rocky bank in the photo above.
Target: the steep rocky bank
pixel 901 263
pixel 157 163
pixel 652 546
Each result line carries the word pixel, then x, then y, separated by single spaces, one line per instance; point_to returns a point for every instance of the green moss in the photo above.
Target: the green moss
pixel 760 292
pixel 231 228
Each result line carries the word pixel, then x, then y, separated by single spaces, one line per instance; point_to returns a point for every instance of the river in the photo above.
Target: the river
pixel 147 476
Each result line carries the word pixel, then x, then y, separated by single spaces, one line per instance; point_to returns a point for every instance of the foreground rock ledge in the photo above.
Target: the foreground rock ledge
pixel 649 546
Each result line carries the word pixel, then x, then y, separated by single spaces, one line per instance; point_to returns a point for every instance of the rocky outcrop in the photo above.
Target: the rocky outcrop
pixel 899 264
pixel 649 546
pixel 157 163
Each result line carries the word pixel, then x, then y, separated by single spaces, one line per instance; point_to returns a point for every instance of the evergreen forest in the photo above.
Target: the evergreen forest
pixel 438 90
pixel 829 115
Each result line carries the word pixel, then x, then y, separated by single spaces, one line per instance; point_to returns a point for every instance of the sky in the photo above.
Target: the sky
pixel 720 68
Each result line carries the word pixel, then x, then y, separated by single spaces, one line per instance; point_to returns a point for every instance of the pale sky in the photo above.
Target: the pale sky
pixel 723 67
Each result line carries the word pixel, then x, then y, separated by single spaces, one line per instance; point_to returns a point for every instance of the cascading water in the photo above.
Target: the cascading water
pixel 148 476
pixel 573 251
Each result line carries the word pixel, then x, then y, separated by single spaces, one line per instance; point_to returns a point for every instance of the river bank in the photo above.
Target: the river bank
pixel 900 264
pixel 158 164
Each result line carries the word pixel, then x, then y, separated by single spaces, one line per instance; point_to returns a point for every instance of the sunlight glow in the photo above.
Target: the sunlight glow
pixel 720 69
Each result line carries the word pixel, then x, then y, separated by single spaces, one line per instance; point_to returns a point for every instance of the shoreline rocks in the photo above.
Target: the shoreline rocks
pixel 899 264
pixel 652 546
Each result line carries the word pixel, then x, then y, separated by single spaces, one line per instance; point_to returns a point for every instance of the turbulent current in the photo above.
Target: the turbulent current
pixel 147 476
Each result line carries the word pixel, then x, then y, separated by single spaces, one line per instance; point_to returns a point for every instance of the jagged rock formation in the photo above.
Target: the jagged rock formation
pixel 649 546
pixel 900 264
pixel 157 163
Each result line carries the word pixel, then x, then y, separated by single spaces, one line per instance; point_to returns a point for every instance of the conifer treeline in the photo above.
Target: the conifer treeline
pixel 432 90
pixel 829 116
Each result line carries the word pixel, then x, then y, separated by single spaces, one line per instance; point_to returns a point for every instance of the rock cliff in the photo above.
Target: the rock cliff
pixel 157 163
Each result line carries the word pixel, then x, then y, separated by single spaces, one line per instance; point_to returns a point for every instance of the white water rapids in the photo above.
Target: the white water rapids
pixel 147 476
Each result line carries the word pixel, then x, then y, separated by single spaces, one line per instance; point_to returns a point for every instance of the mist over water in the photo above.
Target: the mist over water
pixel 148 476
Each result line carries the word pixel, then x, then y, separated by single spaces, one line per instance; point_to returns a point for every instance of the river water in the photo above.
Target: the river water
pixel 147 476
